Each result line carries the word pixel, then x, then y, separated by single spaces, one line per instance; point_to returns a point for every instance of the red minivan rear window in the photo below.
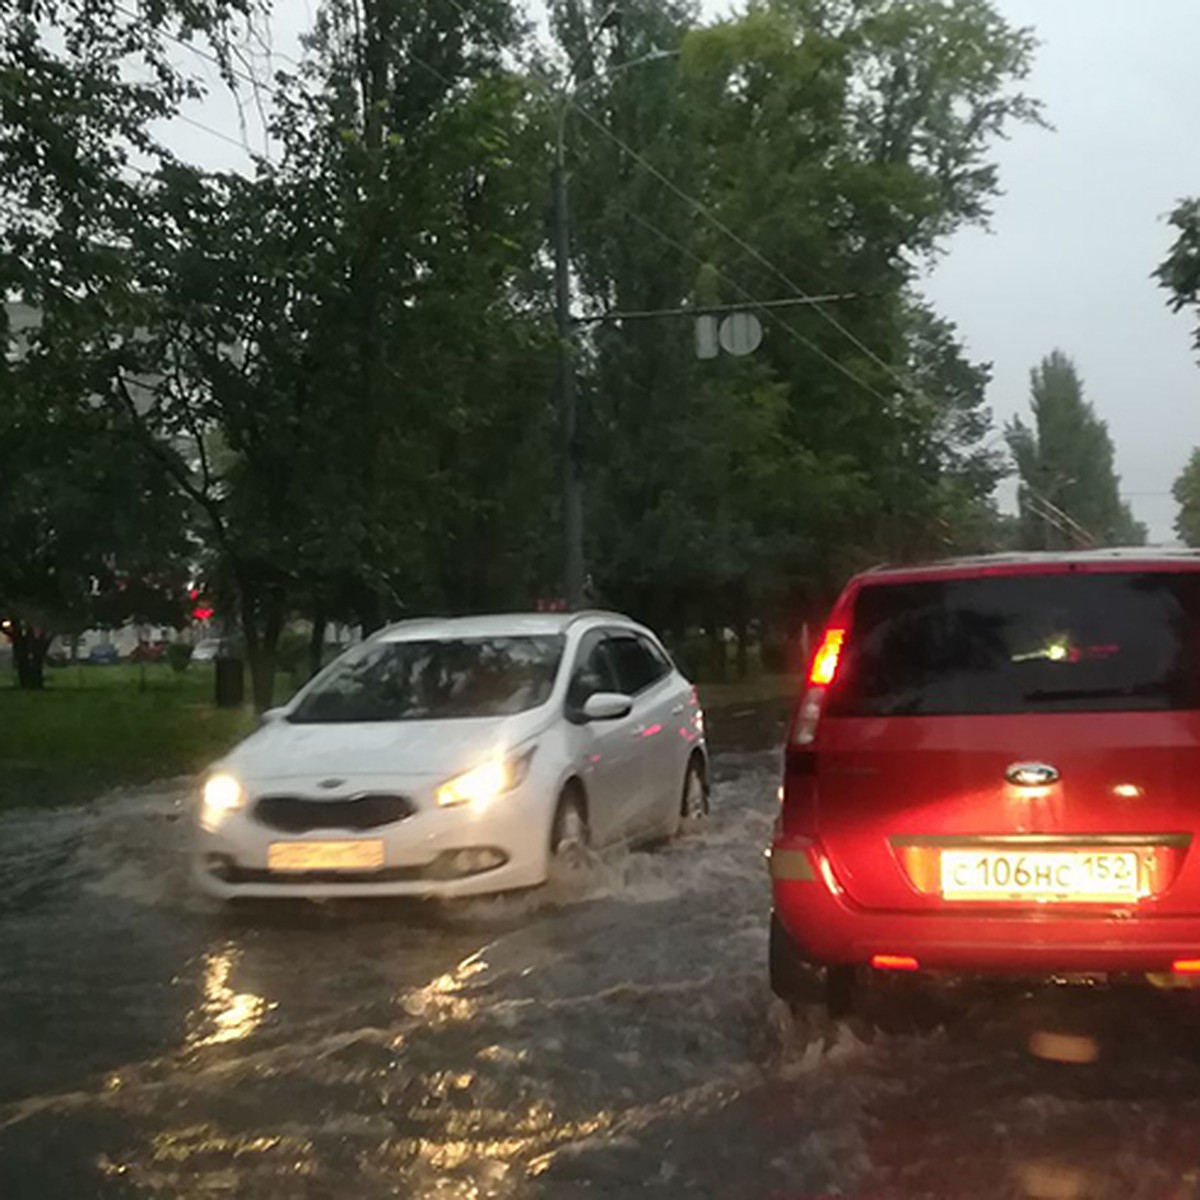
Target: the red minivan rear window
pixel 1079 642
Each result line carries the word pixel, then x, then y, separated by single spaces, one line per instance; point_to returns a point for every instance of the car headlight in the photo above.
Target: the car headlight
pixel 223 794
pixel 483 784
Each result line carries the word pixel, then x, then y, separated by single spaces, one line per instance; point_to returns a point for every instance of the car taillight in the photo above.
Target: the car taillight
pixel 821 673
pixel 798 815
pixel 825 662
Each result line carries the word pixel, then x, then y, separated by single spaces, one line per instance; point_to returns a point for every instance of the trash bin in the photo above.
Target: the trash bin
pixel 231 682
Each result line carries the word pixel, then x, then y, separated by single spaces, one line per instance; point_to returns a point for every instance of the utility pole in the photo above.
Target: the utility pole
pixel 572 467
pixel 574 572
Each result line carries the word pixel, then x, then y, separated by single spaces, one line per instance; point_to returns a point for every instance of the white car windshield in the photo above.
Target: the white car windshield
pixel 435 680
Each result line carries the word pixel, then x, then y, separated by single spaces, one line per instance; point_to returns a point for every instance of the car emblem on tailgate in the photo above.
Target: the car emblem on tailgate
pixel 1031 774
pixel 331 783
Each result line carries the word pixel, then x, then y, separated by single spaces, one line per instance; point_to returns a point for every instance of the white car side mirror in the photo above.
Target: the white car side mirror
pixel 606 706
pixel 271 715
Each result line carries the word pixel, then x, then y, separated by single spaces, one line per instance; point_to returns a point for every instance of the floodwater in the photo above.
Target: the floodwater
pixel 609 1036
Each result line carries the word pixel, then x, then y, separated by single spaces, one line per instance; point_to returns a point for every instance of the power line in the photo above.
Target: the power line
pixel 226 67
pixel 746 294
pixel 1050 519
pixel 212 58
pixel 1043 507
pixel 225 137
pixel 751 302
pixel 700 310
pixel 1070 533
pixel 1066 516
pixel 699 206
pixel 717 223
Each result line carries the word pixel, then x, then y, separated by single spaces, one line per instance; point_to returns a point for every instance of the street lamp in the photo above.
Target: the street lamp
pixel 572 465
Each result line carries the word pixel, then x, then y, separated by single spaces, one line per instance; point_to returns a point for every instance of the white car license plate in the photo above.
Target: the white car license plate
pixel 365 855
pixel 1095 875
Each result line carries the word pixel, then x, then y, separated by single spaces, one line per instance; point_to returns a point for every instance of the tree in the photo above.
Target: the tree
pixel 795 145
pixel 1186 490
pixel 88 535
pixel 1069 491
pixel 342 364
pixel 80 83
pixel 85 529
pixel 1179 272
pixel 349 334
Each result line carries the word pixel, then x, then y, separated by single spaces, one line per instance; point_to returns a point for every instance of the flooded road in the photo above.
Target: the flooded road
pixel 610 1036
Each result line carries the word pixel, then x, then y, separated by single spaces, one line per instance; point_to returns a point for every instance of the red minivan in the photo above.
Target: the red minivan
pixel 996 767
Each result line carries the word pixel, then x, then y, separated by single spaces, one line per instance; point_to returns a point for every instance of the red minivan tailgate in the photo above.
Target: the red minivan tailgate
pixel 885 785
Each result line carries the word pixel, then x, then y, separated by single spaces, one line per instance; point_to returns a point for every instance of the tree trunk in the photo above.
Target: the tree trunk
pixel 29 656
pixel 316 645
pixel 262 672
pixel 262 622
pixel 262 677
pixel 370 613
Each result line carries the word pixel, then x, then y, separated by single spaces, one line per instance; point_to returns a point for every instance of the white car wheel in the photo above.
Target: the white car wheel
pixel 569 832
pixel 694 803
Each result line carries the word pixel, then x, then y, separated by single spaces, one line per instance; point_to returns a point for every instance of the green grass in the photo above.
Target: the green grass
pixel 93 728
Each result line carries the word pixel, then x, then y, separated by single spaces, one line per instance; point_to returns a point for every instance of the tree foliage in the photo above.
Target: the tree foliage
pixel 1186 490
pixel 1069 489
pixel 87 531
pixel 1179 272
pixel 352 332
pixel 89 534
pixel 339 368
pixel 796 147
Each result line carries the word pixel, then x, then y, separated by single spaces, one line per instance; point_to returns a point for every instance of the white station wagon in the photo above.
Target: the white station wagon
pixel 458 756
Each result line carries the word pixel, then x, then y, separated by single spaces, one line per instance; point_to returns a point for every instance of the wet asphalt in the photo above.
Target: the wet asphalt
pixel 611 1035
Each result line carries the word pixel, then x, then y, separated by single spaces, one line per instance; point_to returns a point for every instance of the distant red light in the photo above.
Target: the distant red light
pixel 895 962
pixel 202 614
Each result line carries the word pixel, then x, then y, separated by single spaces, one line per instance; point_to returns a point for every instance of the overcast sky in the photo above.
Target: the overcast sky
pixel 1073 241
pixel 1081 227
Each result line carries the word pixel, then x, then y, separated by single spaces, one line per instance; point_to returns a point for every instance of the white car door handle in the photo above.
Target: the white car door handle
pixel 678 709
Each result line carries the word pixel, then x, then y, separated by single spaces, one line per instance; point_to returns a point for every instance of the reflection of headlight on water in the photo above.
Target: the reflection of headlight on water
pixel 225 1015
pixel 223 794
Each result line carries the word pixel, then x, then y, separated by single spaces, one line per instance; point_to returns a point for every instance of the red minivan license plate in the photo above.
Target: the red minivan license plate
pixel 1078 875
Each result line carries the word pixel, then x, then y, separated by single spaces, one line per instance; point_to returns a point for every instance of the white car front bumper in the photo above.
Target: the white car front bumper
pixel 421 854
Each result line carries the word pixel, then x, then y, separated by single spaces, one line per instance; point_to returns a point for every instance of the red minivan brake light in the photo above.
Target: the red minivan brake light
pixel 825 662
pixel 821 674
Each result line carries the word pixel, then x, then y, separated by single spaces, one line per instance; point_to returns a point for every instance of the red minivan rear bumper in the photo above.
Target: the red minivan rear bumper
pixel 827 927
